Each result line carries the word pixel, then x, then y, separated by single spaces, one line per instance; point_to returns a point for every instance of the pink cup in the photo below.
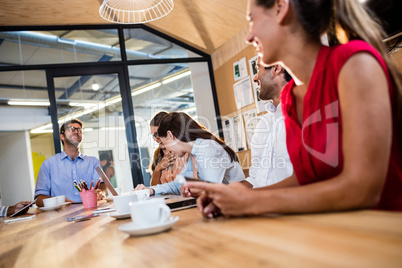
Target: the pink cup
pixel 89 198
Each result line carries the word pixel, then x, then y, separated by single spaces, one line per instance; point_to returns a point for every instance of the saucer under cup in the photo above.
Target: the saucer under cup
pixel 149 212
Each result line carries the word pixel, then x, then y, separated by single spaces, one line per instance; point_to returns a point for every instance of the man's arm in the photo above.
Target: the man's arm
pixel 39 199
pixel 42 190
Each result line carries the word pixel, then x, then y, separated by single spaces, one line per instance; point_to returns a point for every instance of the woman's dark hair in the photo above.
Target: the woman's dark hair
pixel 157 118
pixel 185 129
pixel 158 155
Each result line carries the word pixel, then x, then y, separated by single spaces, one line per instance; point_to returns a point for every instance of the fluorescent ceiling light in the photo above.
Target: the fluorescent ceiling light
pixel 112 128
pixel 174 78
pixel 145 89
pixel 83 104
pixel 37 130
pixel 188 110
pixel 41 130
pixel 29 103
pixel 110 102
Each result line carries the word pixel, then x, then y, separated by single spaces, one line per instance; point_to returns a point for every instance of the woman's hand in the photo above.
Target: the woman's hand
pixel 234 199
pixel 187 192
pixel 166 161
pixel 143 187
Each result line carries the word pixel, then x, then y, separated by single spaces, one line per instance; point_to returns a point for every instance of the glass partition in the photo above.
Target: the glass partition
pixel 64 57
pixel 167 87
pixel 96 101
pixel 141 44
pixel 50 47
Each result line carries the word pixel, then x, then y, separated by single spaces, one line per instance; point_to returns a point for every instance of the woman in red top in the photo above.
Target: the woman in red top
pixel 341 113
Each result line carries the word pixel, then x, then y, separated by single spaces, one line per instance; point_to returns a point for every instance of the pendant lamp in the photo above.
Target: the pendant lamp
pixel 134 11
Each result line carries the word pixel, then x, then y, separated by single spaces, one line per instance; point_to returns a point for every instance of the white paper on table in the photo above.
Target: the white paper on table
pixel 240 69
pixel 240 135
pixel 228 133
pixel 250 121
pixel 243 93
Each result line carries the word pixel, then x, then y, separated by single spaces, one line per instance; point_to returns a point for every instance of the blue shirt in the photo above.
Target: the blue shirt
pixel 57 173
pixel 213 164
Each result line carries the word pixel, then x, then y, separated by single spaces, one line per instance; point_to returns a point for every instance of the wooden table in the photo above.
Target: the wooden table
pixel 351 239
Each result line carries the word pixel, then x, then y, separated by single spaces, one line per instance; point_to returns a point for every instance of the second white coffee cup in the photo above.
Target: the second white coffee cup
pixel 149 212
pixel 50 202
pixel 142 194
pixel 121 202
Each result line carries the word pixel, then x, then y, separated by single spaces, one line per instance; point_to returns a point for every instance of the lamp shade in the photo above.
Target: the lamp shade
pixel 134 11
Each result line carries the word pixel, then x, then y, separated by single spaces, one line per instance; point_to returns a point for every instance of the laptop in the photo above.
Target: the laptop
pixel 174 204
pixel 106 180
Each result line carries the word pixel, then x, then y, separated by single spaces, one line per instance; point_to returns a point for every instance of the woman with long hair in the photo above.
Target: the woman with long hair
pixel 342 111
pixel 211 159
pixel 165 166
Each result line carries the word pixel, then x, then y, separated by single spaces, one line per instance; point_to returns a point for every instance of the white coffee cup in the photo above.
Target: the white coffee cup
pixel 50 202
pixel 61 199
pixel 118 191
pixel 149 212
pixel 121 202
pixel 142 194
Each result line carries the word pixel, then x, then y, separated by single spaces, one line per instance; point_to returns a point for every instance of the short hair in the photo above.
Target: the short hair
pixel 72 121
pixel 286 75
pixel 104 156
pixel 157 119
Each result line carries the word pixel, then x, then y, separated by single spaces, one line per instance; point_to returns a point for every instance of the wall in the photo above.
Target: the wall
pixel 16 177
pixel 16 118
pixel 223 60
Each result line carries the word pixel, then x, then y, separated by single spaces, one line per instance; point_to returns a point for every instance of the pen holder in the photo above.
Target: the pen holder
pixel 89 198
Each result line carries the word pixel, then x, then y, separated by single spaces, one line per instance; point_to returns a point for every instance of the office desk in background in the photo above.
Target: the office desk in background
pixel 351 239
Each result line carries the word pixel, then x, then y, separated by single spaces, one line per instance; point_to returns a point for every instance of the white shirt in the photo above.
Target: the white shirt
pixel 213 164
pixel 270 162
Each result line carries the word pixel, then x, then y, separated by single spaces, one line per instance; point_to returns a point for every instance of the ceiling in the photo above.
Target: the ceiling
pixel 205 25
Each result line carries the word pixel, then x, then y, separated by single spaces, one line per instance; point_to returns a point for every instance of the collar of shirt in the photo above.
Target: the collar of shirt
pixel 64 155
pixel 270 107
pixel 196 145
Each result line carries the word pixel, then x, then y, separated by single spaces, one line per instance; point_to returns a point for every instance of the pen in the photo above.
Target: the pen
pixel 76 186
pixel 20 219
pixel 97 184
pixel 91 184
pixel 85 185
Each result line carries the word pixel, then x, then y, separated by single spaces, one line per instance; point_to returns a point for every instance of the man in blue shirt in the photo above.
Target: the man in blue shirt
pixel 58 172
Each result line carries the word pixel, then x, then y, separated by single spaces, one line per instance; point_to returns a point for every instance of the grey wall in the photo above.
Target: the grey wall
pixel 16 171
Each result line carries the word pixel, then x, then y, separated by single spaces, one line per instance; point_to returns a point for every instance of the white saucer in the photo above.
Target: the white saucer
pixel 119 216
pixel 134 230
pixel 54 207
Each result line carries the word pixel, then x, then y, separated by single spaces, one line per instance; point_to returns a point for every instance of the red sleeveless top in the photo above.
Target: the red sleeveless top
pixel 315 148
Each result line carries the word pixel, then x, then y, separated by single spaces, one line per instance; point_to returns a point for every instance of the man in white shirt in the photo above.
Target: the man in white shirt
pixel 269 156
